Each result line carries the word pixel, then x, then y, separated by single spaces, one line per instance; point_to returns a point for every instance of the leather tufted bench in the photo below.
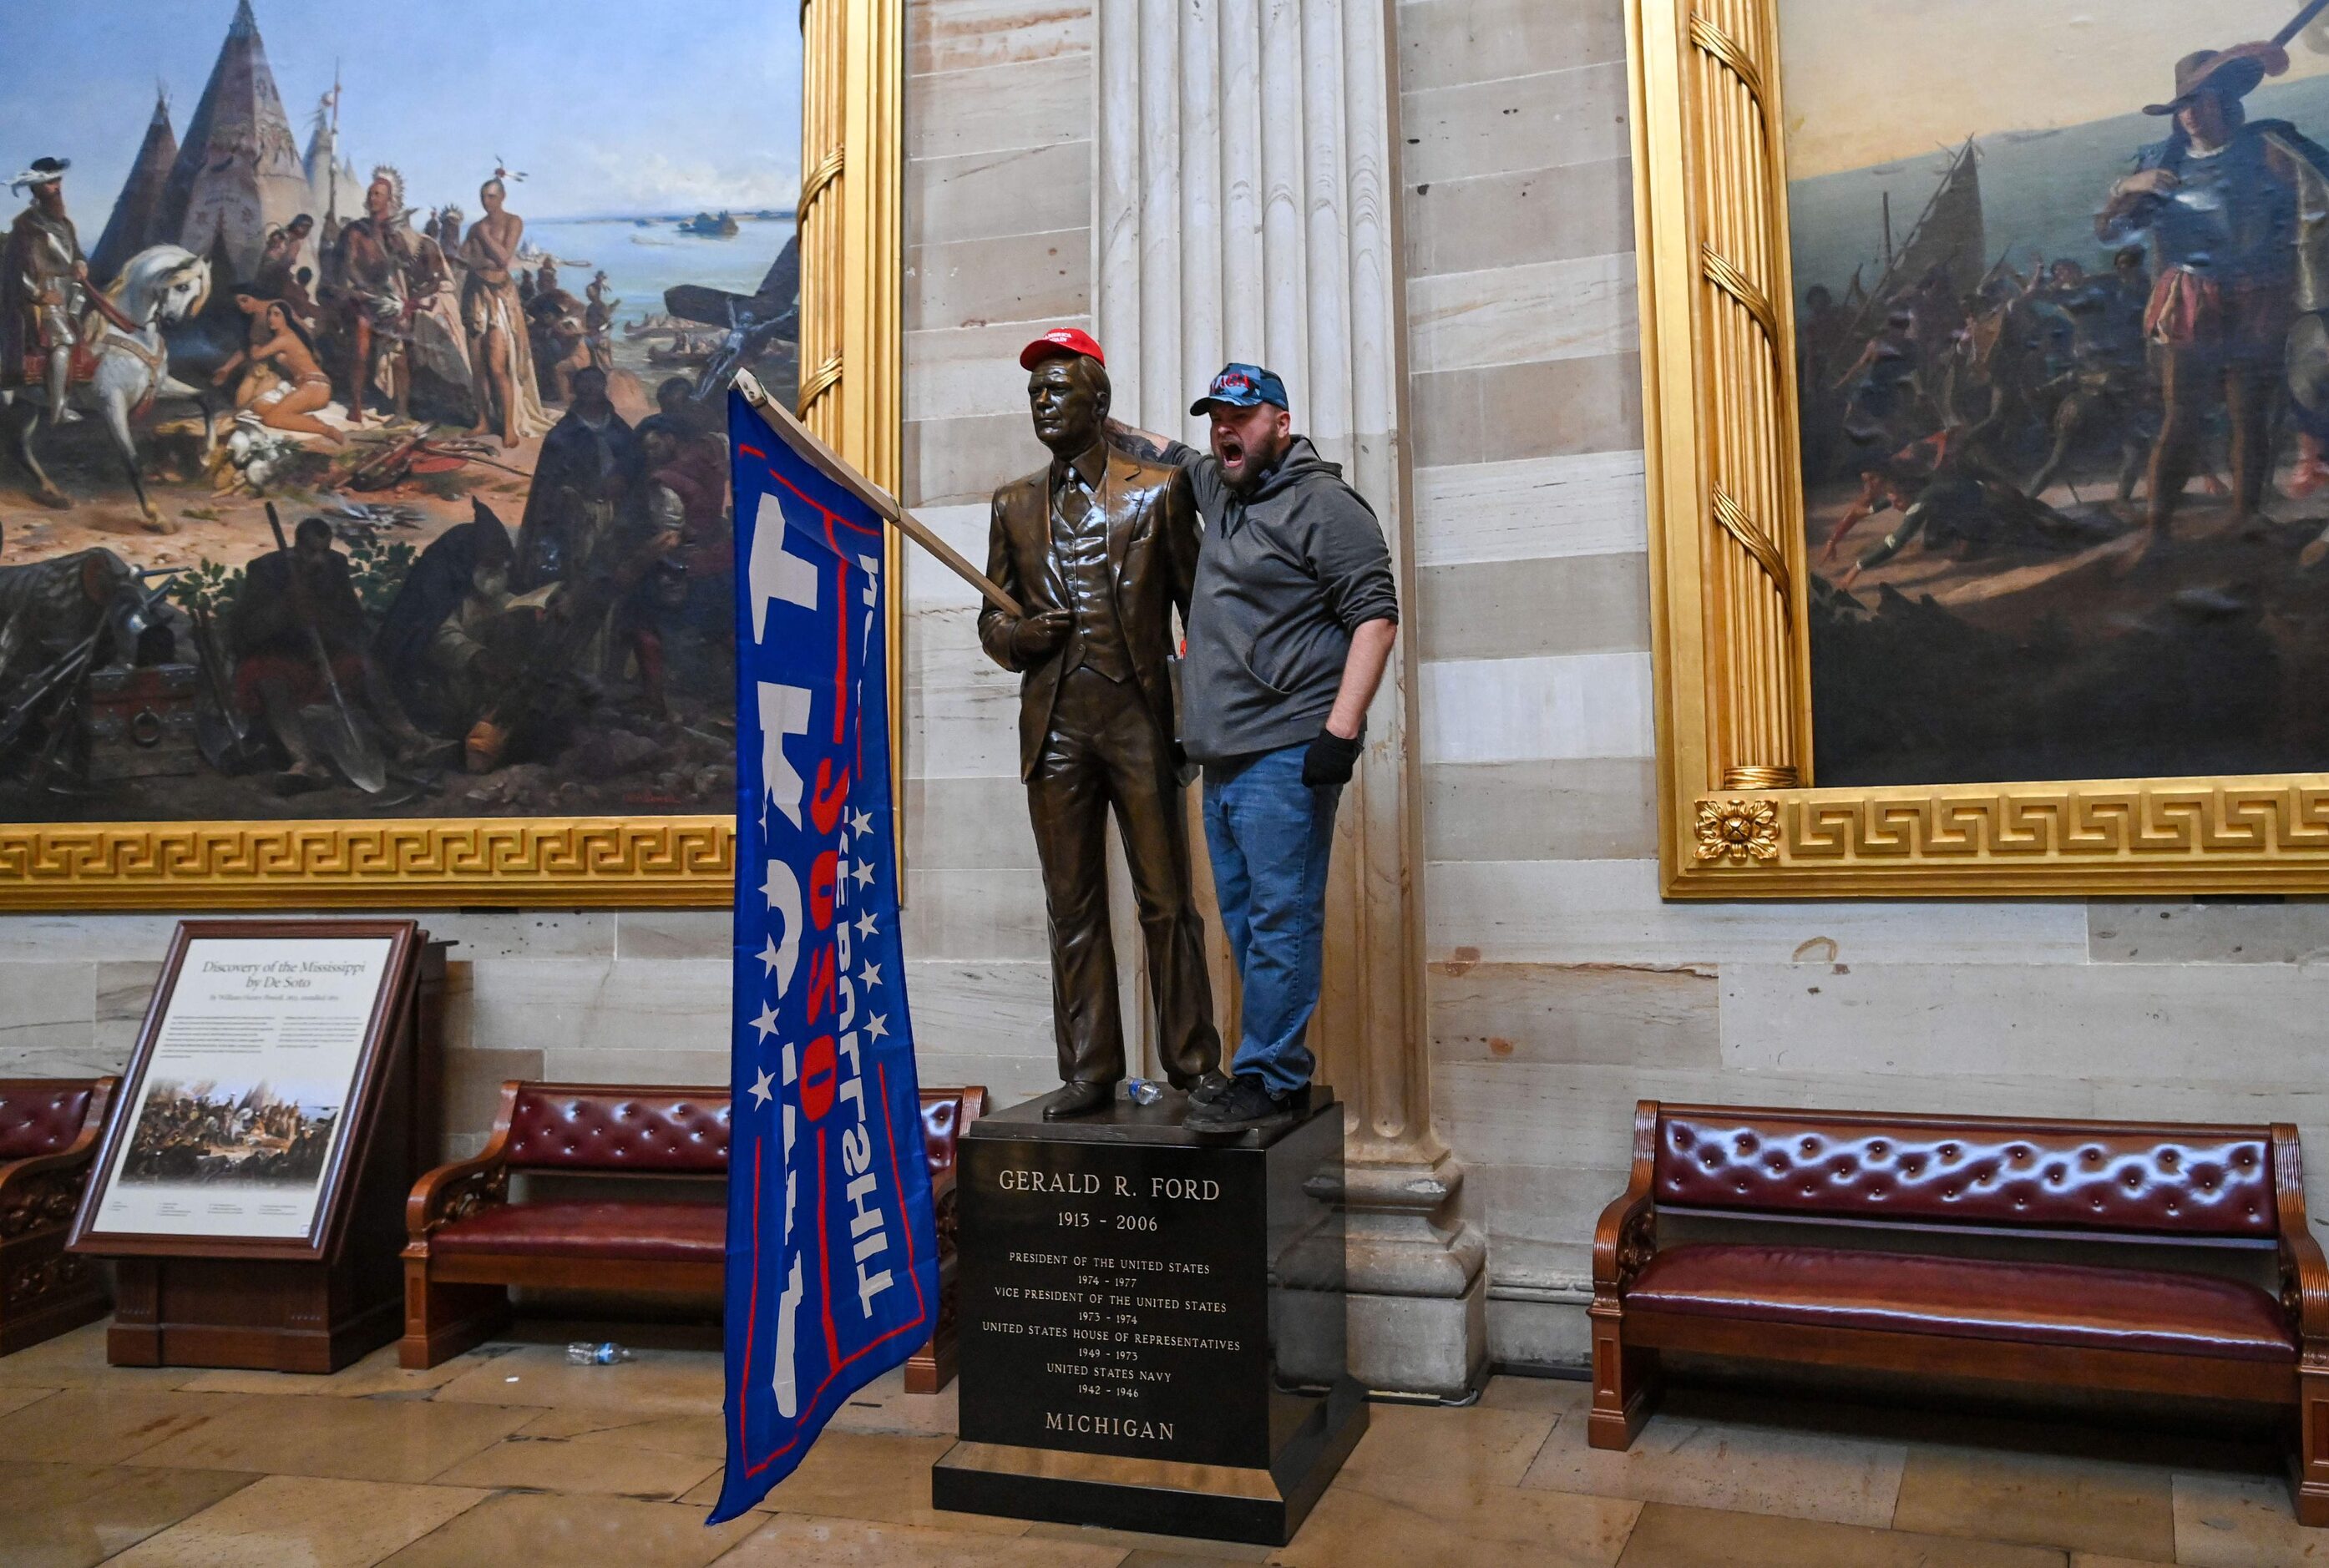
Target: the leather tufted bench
pixel 469 1241
pixel 48 1130
pixel 2121 1318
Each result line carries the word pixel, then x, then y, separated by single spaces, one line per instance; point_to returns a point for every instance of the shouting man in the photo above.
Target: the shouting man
pixel 1290 624
pixel 1099 550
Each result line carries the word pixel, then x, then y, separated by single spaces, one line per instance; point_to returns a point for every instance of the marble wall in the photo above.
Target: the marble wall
pixel 999 160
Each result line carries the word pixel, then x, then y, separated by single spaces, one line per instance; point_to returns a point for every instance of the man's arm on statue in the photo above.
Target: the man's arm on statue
pixel 1204 473
pixel 1145 444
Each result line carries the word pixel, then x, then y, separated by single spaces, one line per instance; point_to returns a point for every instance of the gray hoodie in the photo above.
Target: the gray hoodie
pixel 1285 576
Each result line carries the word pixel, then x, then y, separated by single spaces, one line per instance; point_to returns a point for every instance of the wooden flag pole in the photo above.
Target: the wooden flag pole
pixel 804 440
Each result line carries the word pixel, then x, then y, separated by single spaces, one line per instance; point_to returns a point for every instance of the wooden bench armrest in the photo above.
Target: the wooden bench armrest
pixel 1627 1234
pixel 2304 1287
pixel 457 1191
pixel 42 1189
pixel 2304 1273
pixel 1624 1240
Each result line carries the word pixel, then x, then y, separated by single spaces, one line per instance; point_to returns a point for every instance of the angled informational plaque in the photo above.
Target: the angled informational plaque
pixel 248 1105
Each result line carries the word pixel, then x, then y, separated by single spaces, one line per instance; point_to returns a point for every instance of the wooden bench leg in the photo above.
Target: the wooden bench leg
pixel 49 1290
pixel 931 1367
pixel 1625 1384
pixel 2309 1477
pixel 440 1322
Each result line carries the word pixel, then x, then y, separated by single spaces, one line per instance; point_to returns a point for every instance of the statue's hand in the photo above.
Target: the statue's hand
pixel 1038 637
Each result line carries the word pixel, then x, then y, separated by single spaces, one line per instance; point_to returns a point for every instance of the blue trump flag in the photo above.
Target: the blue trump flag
pixel 831 1250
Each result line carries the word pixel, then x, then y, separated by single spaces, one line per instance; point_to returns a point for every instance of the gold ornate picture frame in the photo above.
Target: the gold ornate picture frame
pixel 850 348
pixel 1741 814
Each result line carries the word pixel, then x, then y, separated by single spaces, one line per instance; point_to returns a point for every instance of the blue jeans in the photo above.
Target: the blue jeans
pixel 1270 836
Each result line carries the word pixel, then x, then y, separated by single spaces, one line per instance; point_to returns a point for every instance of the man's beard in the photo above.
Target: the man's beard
pixel 1259 463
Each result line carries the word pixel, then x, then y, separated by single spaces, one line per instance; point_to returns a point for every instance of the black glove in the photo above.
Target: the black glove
pixel 1038 637
pixel 1329 760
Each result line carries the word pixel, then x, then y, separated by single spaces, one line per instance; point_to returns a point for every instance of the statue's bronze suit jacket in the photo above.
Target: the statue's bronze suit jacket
pixel 1152 556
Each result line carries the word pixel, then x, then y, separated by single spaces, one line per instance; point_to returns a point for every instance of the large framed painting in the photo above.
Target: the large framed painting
pixel 364 533
pixel 1986 357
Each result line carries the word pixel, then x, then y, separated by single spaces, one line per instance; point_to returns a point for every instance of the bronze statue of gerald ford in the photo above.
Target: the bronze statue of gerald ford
pixel 1100 551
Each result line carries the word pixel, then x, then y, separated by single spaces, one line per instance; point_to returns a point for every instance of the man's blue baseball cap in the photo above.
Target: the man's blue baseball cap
pixel 1243 386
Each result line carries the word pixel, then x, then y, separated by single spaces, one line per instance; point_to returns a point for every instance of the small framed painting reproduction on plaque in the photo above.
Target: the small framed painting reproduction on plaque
pixel 249 1098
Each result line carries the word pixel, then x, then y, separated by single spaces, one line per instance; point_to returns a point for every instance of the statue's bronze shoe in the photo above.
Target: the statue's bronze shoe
pixel 1073 1100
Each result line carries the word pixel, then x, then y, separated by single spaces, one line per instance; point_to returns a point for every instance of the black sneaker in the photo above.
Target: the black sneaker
pixel 1246 1103
pixel 1209 1088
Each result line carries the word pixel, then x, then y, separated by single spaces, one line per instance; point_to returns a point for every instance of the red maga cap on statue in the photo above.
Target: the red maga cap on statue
pixel 1065 340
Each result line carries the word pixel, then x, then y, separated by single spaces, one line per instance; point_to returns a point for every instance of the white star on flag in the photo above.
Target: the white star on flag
pixel 869 976
pixel 769 956
pixel 867 926
pixel 859 822
pixel 864 873
pixel 761 1088
pixel 765 1023
pixel 877 1027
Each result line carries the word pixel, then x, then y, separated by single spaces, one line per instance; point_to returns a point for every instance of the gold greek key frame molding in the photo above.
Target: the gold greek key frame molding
pixel 854 71
pixel 1739 814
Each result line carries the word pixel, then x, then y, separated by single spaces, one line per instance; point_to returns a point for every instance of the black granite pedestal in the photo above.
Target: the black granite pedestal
pixel 1152 1322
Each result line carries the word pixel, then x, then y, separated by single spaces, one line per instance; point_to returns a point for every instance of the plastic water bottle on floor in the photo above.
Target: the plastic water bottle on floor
pixel 582 1353
pixel 1143 1091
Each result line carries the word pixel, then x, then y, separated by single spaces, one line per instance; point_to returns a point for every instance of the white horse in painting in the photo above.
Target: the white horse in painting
pixel 159 288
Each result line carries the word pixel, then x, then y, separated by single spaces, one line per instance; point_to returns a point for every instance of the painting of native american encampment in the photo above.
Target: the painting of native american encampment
pixel 2061 277
pixel 362 402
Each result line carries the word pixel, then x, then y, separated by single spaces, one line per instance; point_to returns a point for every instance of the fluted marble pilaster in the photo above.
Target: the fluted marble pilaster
pixel 1245 206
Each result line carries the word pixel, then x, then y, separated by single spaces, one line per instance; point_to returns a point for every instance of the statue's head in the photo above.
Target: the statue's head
pixel 1068 396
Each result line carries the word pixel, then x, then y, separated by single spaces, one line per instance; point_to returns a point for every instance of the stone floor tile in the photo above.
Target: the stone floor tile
pixel 885 1406
pixel 2085 1505
pixel 1551 1395
pixel 2235 1521
pixel 77 1359
pixel 659 1382
pixel 806 1540
pixel 376 1373
pixel 17 1398
pixel 851 1475
pixel 1755 1470
pixel 56 1515
pixel 538 1528
pixel 314 1523
pixel 1492 1447
pixel 1676 1538
pixel 367 1440
pixel 108 1424
pixel 552 1464
pixel 701 1435
pixel 1154 1550
pixel 1367 1521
